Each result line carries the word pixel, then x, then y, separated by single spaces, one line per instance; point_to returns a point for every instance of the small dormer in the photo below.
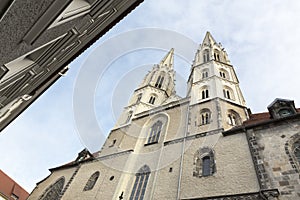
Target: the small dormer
pixel 281 108
pixel 83 155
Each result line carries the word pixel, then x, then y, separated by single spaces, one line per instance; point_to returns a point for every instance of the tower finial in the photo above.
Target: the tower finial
pixel 208 39
pixel 168 60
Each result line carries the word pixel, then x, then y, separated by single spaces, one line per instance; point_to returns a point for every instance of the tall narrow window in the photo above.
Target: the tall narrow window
pixel 140 183
pixel 155 132
pixel 206 56
pixel 217 55
pixel 206 166
pixel 228 94
pixel 139 97
pixel 159 81
pixel 152 99
pixel 204 162
pixel 205 93
pixel 92 181
pixel 54 191
pixel 205 119
pixel 128 117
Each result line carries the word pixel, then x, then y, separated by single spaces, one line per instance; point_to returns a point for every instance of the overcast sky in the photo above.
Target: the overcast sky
pixel 260 37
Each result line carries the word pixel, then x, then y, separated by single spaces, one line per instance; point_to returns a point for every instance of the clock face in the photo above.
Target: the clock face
pixel 284 112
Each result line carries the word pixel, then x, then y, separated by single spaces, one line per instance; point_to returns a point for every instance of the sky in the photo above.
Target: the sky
pixel 260 37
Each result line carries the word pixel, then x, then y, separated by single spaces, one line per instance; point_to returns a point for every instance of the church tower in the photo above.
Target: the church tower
pixel 167 147
pixel 216 100
pixel 157 86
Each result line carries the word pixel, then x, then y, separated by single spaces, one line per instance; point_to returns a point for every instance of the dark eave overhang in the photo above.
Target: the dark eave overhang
pixel 54 76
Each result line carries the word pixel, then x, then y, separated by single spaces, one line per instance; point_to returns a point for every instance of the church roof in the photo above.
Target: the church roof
pixel 172 98
pixel 259 119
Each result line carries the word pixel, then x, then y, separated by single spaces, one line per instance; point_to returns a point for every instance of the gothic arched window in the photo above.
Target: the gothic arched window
pixel 233 118
pixel 296 150
pixel 155 132
pixel 140 183
pixel 204 162
pixel 53 192
pixel 92 181
pixel 292 149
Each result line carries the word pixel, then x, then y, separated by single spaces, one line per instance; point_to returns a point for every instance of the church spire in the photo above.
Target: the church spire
pixel 168 60
pixel 213 88
pixel 157 87
pixel 208 40
pixel 210 50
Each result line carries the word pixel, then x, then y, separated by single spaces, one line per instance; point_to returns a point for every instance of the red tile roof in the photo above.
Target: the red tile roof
pixel 260 117
pixel 9 187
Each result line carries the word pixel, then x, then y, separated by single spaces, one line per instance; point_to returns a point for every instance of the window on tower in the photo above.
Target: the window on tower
pixel 205 55
pixel 205 93
pixel 204 162
pixel 92 181
pixel 159 81
pixel 217 55
pixel 129 115
pixel 154 132
pixel 223 73
pixel 139 97
pixel 205 73
pixel 152 99
pixel 233 118
pixel 204 116
pixel 140 183
pixel 228 93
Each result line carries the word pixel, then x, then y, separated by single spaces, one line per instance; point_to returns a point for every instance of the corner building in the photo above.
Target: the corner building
pixel 207 145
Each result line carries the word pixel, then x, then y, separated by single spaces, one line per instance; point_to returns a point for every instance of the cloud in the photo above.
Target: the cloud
pixel 261 38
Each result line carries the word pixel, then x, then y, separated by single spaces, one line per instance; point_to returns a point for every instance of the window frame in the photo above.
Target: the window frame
pixel 155 132
pixel 90 184
pixel 140 184
pixel 200 167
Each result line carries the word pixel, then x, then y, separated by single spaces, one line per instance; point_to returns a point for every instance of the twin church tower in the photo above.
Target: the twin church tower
pixel 215 98
pixel 167 147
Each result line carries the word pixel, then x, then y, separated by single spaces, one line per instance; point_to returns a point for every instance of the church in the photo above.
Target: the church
pixel 207 145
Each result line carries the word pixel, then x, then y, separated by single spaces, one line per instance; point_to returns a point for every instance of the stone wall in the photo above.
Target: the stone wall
pixel 234 174
pixel 275 154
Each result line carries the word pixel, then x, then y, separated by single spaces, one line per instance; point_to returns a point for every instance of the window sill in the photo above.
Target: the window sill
pixel 151 143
